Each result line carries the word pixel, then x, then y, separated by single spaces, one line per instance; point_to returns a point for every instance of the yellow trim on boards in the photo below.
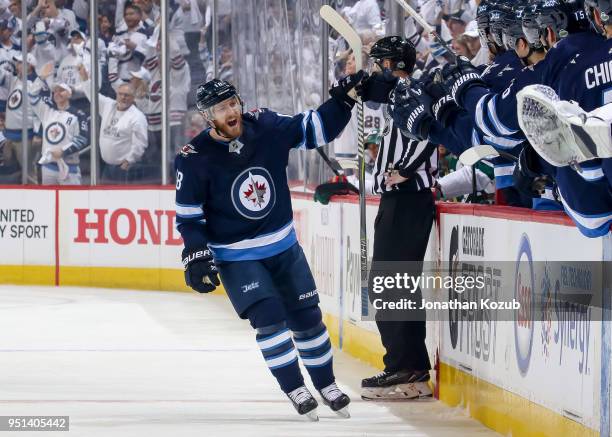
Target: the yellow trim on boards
pixel 27 275
pixel 504 411
pixel 498 409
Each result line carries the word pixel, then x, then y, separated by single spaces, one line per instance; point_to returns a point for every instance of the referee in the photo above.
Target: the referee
pixel 403 174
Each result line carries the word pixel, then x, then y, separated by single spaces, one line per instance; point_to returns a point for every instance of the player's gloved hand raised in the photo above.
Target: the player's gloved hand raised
pixel 377 87
pixel 460 77
pixel 525 177
pixel 201 273
pixel 345 88
pixel 443 106
pixel 409 113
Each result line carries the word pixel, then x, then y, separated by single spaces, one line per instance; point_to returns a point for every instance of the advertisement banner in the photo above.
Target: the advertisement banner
pixel 119 228
pixel 27 227
pixel 556 342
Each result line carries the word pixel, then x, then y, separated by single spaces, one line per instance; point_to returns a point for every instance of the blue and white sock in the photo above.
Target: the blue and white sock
pixel 280 355
pixel 315 351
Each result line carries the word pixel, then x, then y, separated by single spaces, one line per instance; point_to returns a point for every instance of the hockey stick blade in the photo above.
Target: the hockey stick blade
pixel 474 154
pixel 335 20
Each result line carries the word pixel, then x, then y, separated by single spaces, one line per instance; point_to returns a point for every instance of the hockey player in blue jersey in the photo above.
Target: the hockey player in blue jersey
pixel 561 26
pixel 455 127
pixel 587 79
pixel 234 213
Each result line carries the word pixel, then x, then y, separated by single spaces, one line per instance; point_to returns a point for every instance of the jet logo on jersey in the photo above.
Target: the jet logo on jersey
pixel 14 101
pixel 55 133
pixel 253 193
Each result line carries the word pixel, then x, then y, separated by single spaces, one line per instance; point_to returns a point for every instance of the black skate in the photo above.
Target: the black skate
pixel 336 400
pixel 304 403
pixel 401 385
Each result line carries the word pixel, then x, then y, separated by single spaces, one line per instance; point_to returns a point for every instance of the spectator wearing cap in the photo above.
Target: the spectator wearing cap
pixel 480 51
pixel 123 133
pixel 65 131
pixel 14 112
pixel 8 51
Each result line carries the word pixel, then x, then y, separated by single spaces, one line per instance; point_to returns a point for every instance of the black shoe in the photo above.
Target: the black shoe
pixel 304 403
pixel 398 385
pixel 336 400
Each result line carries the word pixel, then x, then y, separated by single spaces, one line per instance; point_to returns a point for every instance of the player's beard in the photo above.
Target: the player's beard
pixel 228 130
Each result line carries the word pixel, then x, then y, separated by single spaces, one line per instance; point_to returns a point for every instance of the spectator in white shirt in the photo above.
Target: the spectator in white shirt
pixel 123 132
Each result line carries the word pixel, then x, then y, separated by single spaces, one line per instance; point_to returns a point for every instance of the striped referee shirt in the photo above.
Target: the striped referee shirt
pixel 417 161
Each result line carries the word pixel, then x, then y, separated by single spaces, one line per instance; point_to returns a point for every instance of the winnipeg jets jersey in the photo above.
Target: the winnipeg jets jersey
pixel 587 78
pixel 124 58
pixel 14 105
pixel 6 63
pixel 180 86
pixel 68 129
pixel 234 197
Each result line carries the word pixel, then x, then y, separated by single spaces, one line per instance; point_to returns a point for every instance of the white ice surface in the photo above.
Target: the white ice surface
pixel 134 363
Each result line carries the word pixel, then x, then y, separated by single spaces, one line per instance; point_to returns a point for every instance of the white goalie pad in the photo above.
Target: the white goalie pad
pixel 560 131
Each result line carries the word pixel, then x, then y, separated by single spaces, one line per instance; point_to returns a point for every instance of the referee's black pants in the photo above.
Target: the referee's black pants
pixel 401 233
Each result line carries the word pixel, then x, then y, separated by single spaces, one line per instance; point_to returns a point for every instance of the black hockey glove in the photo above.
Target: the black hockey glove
pixel 344 89
pixel 443 106
pixel 460 77
pixel 200 270
pixel 377 87
pixel 409 112
pixel 526 180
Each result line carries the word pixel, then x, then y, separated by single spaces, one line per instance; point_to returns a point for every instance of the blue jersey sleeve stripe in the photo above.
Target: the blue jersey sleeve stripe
pixel 318 128
pixel 480 122
pixel 502 143
pixel 189 216
pixel 305 116
pixel 475 138
pixel 492 111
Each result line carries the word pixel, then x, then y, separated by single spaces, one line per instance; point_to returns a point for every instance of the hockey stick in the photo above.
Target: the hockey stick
pixel 474 155
pixel 335 20
pixel 333 164
pixel 425 25
pixel 477 153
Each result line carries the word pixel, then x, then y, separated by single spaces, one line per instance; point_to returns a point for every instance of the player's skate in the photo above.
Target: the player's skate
pixel 336 400
pixel 562 132
pixel 304 403
pixel 402 385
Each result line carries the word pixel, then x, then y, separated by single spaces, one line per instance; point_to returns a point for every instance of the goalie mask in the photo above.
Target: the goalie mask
pixel 605 12
pixel 398 50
